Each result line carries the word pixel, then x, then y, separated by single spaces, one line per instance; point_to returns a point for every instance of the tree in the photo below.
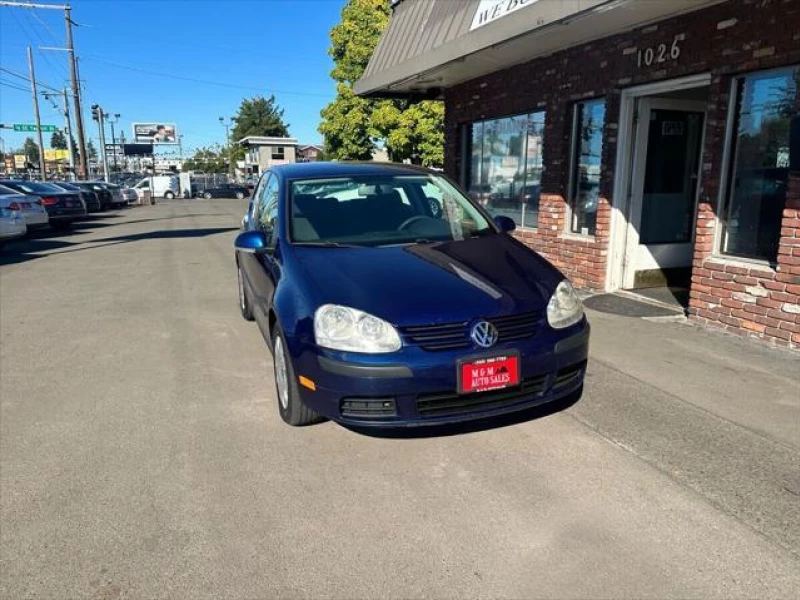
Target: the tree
pixel 259 116
pixel 58 141
pixel 31 150
pixel 352 125
pixel 207 160
pixel 91 151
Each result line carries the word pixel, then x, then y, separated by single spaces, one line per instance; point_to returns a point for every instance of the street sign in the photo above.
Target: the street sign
pixel 28 127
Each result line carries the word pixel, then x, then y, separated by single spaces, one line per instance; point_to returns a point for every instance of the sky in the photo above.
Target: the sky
pixel 176 61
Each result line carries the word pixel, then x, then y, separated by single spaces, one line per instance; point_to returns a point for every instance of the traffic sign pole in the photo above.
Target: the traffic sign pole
pixel 42 161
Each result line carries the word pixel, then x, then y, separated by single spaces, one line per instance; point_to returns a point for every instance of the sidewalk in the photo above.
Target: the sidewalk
pixel 717 414
pixel 740 380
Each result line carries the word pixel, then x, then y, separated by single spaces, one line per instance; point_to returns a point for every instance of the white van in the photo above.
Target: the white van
pixel 164 186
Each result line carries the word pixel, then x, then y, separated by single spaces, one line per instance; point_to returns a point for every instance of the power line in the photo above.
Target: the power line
pixel 28 79
pixel 14 87
pixel 203 81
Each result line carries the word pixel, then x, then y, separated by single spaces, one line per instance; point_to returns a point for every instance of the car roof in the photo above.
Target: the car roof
pixel 318 170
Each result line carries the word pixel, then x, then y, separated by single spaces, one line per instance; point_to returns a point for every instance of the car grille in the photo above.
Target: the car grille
pixel 452 336
pixel 430 405
pixel 368 408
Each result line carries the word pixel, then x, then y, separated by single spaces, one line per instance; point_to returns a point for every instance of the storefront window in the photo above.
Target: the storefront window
pixel 506 166
pixel 759 168
pixel 585 177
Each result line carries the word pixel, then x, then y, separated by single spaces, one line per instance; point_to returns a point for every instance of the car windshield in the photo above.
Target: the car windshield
pixel 382 210
pixel 35 187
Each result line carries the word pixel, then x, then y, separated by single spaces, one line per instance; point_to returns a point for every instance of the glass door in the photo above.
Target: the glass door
pixel 664 189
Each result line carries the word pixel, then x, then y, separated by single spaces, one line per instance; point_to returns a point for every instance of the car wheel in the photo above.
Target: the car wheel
pixel 239 196
pixel 244 298
pixel 169 195
pixel 208 196
pixel 290 406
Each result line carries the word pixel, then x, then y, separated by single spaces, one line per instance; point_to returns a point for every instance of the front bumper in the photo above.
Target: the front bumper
pixel 416 387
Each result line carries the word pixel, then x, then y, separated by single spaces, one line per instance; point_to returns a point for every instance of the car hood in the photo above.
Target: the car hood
pixel 433 283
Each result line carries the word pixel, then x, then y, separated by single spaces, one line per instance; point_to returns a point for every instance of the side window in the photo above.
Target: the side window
pixel 259 191
pixel 268 211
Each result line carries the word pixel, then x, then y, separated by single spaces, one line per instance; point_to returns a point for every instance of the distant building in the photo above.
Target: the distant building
pixel 309 153
pixel 263 152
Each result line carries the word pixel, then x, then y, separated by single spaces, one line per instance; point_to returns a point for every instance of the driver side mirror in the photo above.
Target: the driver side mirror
pixel 252 242
pixel 505 224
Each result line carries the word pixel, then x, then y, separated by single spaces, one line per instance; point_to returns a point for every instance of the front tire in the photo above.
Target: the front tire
pixel 239 196
pixel 244 299
pixel 290 406
pixel 208 196
pixel 169 195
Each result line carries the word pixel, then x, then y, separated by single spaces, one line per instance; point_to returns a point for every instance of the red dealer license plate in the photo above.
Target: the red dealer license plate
pixel 488 373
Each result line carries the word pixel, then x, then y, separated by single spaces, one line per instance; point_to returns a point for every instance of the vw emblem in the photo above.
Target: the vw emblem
pixel 484 334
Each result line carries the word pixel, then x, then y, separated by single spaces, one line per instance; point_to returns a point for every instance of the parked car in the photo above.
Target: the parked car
pixel 129 195
pixel 379 313
pixel 62 207
pixel 89 197
pixel 117 200
pixel 224 190
pixel 103 194
pixel 33 212
pixel 12 223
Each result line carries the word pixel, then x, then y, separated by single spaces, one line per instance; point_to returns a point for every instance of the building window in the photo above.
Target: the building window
pixel 587 144
pixel 758 173
pixel 505 166
pixel 277 153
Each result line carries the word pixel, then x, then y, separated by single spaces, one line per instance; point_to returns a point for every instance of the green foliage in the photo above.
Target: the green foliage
pixel 31 150
pixel 259 116
pixel 346 126
pixel 207 160
pixel 58 141
pixel 354 39
pixel 352 125
pixel 91 151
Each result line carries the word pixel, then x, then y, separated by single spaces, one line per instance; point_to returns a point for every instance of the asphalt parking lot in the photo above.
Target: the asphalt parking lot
pixel 142 455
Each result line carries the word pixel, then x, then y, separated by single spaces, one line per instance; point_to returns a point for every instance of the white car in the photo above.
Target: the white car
pixel 12 223
pixel 34 214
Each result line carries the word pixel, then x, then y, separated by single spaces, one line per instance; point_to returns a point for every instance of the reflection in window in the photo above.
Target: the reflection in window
pixel 759 163
pixel 506 166
pixel 585 177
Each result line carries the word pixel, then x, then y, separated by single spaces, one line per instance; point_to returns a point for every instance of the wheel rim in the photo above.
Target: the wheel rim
pixel 239 195
pixel 281 376
pixel 240 284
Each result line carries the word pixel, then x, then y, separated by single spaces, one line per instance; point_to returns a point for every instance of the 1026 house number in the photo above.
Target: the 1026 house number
pixel 660 54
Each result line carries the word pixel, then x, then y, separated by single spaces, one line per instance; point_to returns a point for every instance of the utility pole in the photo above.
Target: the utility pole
pixel 113 138
pixel 68 132
pixel 42 162
pixel 97 115
pixel 76 95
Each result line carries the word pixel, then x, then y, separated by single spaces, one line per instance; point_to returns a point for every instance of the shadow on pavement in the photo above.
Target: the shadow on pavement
pixel 167 234
pixel 27 249
pixel 523 416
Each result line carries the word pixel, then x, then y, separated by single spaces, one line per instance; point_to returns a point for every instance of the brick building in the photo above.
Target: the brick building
pixel 636 144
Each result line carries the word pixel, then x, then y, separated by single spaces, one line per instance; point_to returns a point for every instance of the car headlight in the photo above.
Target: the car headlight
pixel 564 308
pixel 342 328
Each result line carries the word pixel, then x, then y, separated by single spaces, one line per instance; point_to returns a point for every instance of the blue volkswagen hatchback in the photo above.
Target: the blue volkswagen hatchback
pixel 388 298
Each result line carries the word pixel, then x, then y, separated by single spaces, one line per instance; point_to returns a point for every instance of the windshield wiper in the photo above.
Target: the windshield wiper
pixel 326 245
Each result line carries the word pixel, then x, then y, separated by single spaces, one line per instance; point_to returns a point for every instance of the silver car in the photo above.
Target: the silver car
pixel 33 212
pixel 12 223
pixel 129 195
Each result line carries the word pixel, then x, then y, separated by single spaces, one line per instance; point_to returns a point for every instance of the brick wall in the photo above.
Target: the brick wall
pixel 751 301
pixel 725 40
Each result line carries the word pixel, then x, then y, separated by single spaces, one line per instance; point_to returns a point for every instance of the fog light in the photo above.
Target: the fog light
pixel 368 408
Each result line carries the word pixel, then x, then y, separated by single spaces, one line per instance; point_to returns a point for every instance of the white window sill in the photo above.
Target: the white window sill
pixel 744 263
pixel 577 237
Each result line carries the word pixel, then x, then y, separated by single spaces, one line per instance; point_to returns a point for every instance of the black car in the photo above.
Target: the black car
pixel 89 197
pixel 103 193
pixel 224 190
pixel 62 207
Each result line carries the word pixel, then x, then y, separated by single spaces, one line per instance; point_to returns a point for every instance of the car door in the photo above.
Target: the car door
pixel 249 263
pixel 268 269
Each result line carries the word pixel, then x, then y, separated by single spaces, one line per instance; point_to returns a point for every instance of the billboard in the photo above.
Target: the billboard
pixel 56 154
pixel 155 133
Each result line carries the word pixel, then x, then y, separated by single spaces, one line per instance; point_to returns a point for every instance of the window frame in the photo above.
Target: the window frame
pixel 257 193
pixel 573 162
pixel 730 152
pixel 466 174
pixel 275 155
